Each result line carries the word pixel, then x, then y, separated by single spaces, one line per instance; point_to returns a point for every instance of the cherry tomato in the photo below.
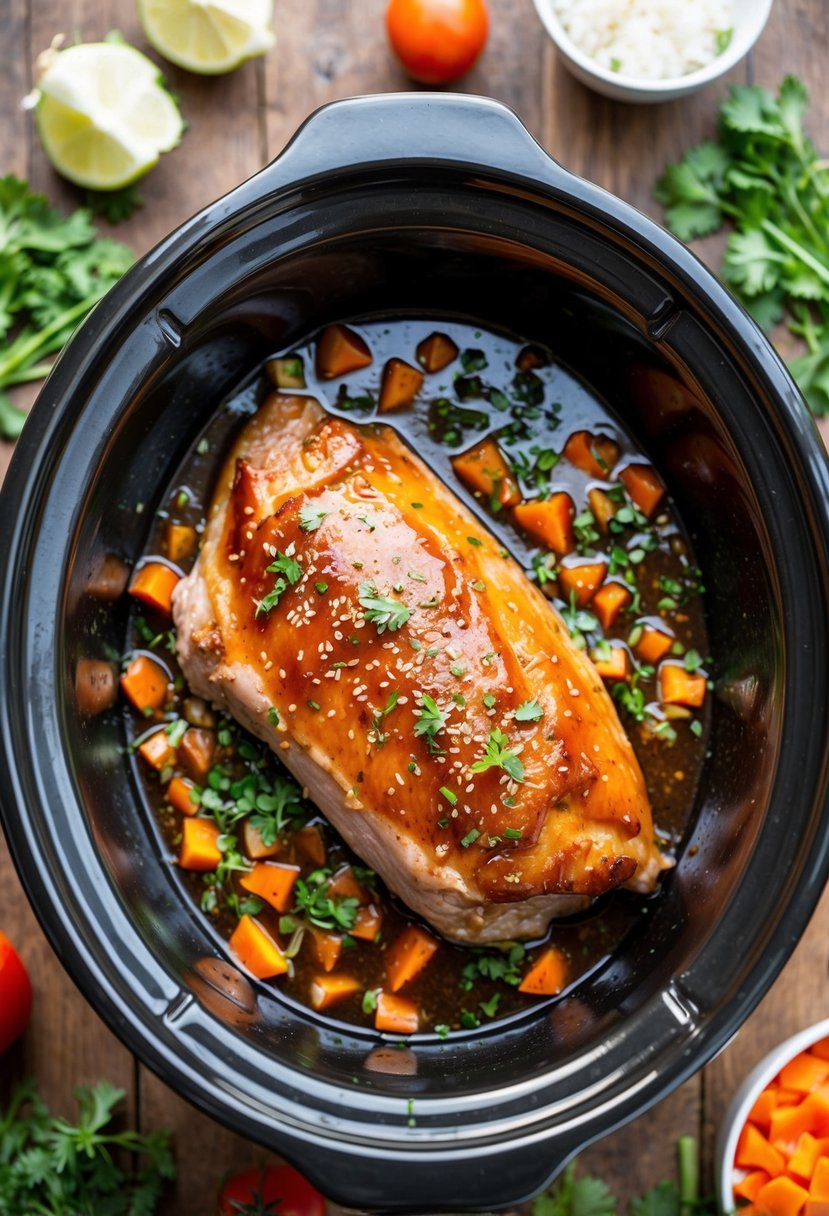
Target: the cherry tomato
pixel 437 40
pixel 15 995
pixel 277 1190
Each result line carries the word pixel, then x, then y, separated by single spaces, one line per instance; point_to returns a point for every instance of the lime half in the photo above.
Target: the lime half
pixel 208 36
pixel 104 116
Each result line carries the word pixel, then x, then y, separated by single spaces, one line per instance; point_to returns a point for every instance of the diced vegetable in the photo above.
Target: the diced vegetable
pixel 255 948
pixel 180 541
pixel 549 520
pixel 819 1188
pixel 327 947
pixel 602 507
pixel 110 579
pixel 805 1156
pixel 199 850
pixel 96 686
pixel 400 385
pixel 762 1109
pixel 339 351
pixel 396 1014
pixel 327 990
pixel 15 996
pixel 154 585
pixel 644 487
pixel 179 796
pixel 344 885
pixel 748 1187
pixel 581 580
pixel 157 751
pixel 408 955
pixel 436 352
pixel 309 841
pixel 612 662
pixel 680 687
pixel 548 974
pixel 255 846
pixel 609 601
pixel 595 455
pixel 145 683
pixel 368 923
pixel 483 470
pixel 804 1073
pixel 530 358
pixel 196 751
pixel 272 881
pixel 288 371
pixel 781 1197
pixel 654 644
pixel 754 1151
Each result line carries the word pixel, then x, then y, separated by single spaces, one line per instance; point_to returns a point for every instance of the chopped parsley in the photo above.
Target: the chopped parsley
pixel 310 518
pixel 313 901
pixel 497 754
pixel 383 612
pixel 503 967
pixel 429 722
pixel 292 572
pixel 377 734
pixel 529 711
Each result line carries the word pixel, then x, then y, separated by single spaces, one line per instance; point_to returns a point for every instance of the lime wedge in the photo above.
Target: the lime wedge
pixel 104 116
pixel 208 36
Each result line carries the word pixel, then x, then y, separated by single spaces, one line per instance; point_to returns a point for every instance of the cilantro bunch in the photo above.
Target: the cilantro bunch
pixel 52 271
pixel 764 175
pixel 51 1167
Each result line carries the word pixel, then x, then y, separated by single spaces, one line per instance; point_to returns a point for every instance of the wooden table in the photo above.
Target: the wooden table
pixel 328 49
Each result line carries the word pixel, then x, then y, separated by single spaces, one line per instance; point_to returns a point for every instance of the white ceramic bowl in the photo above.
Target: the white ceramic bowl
pixel 750 17
pixel 744 1099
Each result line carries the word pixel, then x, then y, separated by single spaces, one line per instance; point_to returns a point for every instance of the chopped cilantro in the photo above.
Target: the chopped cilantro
pixel 385 613
pixel 310 518
pixel 529 711
pixel 498 755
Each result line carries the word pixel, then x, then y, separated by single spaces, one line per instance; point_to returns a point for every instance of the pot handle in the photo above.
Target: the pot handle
pixel 400 128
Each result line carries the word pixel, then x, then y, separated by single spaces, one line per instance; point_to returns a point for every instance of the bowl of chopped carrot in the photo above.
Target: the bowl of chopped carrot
pixel 773 1147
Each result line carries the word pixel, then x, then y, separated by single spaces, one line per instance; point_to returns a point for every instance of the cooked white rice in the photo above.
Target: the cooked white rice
pixel 648 39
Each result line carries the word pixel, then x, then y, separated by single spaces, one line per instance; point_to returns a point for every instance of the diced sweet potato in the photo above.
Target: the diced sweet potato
pixel 199 850
pixel 197 749
pixel 400 385
pixel 549 520
pixel 154 585
pixel 609 601
pixel 339 351
pixel 804 1073
pixel 436 352
pixel 548 974
pixel 157 751
pixel 255 948
pixel 602 507
pixel 612 663
pixel 680 687
pixel 644 487
pixel 345 885
pixel 145 683
pixel 654 644
pixel 368 923
pixel 595 455
pixel 310 843
pixel 484 470
pixel 272 881
pixel 396 1014
pixel 327 947
pixel 254 846
pixel 804 1158
pixel 781 1197
pixel 327 990
pixel 581 580
pixel 180 541
pixel 408 955
pixel 755 1152
pixel 748 1187
pixel 179 793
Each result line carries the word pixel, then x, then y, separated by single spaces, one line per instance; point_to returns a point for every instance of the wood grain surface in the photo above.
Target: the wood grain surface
pixel 328 49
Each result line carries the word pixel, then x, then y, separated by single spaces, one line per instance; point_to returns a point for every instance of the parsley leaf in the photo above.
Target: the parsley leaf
pixel 310 518
pixel 384 612
pixel 293 573
pixel 529 711
pixel 429 722
pixel 313 900
pixel 498 755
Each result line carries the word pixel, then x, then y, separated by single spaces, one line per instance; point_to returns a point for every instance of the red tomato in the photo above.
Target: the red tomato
pixel 437 40
pixel 277 1190
pixel 15 995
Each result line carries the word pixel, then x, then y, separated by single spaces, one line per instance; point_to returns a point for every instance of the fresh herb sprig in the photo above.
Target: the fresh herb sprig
pixel 765 176
pixel 53 1167
pixel 384 612
pixel 53 270
pixel 497 754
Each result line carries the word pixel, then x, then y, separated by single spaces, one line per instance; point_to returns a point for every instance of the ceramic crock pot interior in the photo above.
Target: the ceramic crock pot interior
pixel 440 207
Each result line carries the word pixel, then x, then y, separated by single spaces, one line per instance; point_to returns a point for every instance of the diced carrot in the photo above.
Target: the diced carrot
pixel 180 541
pixel 819 1105
pixel 326 946
pixel 609 601
pixel 484 470
pixel 400 385
pixel 761 1111
pixel 680 687
pixel 339 351
pixel 272 881
pixel 408 954
pixel 755 1152
pixel 803 1159
pixel 781 1197
pixel 788 1097
pixel 367 923
pixel 96 686
pixel 788 1123
pixel 310 843
pixel 593 454
pixel 581 581
pixel 199 850
pixel 157 750
pixel 804 1073
pixel 154 585
pixel 644 487
pixel 178 795
pixel 748 1187
pixel 145 682
pixel 327 990
pixel 396 1014
pixel 344 885
pixel 814 1207
pixel 436 352
pixel 548 974
pixel 602 507
pixel 254 845
pixel 197 749
pixel 549 520
pixel 654 644
pixel 819 1186
pixel 255 949
pixel 821 1048
pixel 614 665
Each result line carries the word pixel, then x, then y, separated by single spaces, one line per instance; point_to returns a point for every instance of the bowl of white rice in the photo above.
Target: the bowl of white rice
pixel 652 50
